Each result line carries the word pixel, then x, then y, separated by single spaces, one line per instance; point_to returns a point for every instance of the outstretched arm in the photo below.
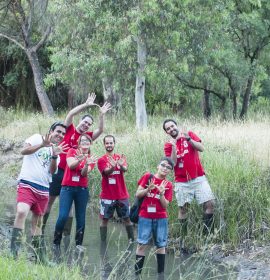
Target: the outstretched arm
pixel 89 102
pixel 103 110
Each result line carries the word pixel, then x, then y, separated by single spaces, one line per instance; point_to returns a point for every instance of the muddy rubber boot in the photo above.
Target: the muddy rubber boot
pixel 208 221
pixel 16 241
pixel 40 250
pixel 130 233
pixel 67 232
pixel 44 222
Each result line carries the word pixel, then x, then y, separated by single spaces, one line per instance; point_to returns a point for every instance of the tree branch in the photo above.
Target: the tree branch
pixel 13 40
pixel 43 39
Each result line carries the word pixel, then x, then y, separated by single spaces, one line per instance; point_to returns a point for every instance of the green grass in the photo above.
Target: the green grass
pixel 236 160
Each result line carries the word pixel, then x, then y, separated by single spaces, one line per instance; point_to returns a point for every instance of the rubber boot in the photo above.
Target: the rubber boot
pixel 160 266
pixel 44 222
pixel 103 233
pixel 139 264
pixel 16 241
pixel 39 250
pixel 56 247
pixel 183 233
pixel 130 233
pixel 67 232
pixel 79 237
pixel 208 220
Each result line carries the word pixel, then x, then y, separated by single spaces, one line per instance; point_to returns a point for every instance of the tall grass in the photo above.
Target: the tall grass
pixel 236 160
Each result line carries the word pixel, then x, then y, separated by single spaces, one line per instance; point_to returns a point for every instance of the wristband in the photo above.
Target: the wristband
pixel 188 139
pixel 54 157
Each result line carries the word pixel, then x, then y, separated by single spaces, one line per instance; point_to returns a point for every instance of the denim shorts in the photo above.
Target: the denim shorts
pixel 156 227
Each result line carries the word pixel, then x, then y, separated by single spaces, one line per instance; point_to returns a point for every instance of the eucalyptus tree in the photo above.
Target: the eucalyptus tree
pixel 24 23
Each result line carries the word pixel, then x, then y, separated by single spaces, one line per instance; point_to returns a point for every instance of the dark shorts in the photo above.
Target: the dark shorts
pixel 55 185
pixel 107 208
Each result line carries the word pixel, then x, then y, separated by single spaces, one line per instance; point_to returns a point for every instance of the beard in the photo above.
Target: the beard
pixel 174 133
pixel 109 149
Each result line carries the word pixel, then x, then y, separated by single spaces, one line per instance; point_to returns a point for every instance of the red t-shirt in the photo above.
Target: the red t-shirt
pixel 73 177
pixel 188 164
pixel 113 186
pixel 71 138
pixel 152 199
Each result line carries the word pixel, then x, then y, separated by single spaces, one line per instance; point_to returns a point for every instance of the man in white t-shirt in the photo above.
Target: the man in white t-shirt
pixel 39 163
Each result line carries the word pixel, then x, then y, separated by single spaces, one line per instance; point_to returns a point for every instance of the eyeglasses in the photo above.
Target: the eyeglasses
pixel 166 166
pixel 85 141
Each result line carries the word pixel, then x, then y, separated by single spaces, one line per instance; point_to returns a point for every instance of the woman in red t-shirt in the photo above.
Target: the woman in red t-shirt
pixel 75 189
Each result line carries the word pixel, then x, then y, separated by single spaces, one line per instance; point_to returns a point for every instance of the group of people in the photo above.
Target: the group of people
pixel 58 164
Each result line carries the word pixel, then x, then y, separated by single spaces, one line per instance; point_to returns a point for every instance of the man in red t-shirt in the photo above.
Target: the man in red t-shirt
pixel 71 139
pixel 114 194
pixel 157 193
pixel 190 180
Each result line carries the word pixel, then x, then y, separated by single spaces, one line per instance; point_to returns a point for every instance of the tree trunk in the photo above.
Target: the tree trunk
pixel 45 103
pixel 206 104
pixel 109 94
pixel 246 97
pixel 141 115
pixel 71 103
pixel 234 101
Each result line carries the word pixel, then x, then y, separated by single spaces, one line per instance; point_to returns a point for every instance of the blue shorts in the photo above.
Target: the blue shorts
pixel 157 227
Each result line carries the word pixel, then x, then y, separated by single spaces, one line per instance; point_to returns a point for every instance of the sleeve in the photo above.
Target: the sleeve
pixel 71 153
pixel 168 149
pixel 194 137
pixel 34 140
pixel 101 164
pixel 144 180
pixel 69 132
pixel 90 133
pixel 169 193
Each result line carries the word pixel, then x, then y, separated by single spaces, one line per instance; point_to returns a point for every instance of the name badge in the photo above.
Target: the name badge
pixel 151 209
pixel 75 178
pixel 112 181
pixel 181 164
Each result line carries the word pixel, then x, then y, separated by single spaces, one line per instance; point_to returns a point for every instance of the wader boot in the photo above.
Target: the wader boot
pixel 16 241
pixel 67 232
pixel 40 250
pixel 183 233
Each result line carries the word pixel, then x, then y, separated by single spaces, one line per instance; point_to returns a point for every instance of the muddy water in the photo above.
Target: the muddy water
pixel 116 261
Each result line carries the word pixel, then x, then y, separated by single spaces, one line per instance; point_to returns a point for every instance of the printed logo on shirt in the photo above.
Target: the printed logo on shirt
pixel 116 172
pixel 44 156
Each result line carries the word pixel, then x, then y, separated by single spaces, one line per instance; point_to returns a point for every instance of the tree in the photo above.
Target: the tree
pixel 20 20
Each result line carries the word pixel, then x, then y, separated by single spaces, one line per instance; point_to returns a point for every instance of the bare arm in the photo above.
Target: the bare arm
pixel 28 149
pixel 87 167
pixel 103 110
pixel 196 145
pixel 141 191
pixel 162 188
pixel 109 170
pixel 89 102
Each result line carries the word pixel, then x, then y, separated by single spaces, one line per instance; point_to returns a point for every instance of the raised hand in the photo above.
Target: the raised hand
pixel 162 187
pixel 46 141
pixel 79 156
pixel 60 149
pixel 91 98
pixel 92 159
pixel 112 162
pixel 151 185
pixel 105 108
pixel 122 161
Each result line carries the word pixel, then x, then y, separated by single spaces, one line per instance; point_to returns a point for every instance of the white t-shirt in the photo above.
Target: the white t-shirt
pixel 36 167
